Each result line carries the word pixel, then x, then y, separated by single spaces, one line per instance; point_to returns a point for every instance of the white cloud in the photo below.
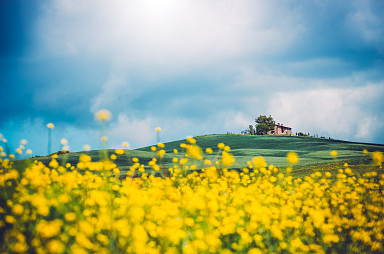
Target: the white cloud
pixel 145 44
pixel 340 113
pixel 166 32
pixel 138 132
pixel 113 92
pixel 236 121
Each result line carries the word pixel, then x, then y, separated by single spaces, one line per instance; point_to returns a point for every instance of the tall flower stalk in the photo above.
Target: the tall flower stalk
pixel 158 130
pixel 50 126
pixel 103 116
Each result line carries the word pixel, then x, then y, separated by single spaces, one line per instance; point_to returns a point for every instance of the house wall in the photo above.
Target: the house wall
pixel 280 130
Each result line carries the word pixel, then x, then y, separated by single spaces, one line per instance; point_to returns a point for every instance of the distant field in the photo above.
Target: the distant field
pixel 312 151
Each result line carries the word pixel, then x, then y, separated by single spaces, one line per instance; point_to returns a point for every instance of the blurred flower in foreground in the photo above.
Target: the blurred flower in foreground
pixel 292 158
pixel 378 158
pixel 227 159
pixel 119 151
pixel 333 153
pixel 87 147
pixel 103 115
pixel 259 162
pixel 50 125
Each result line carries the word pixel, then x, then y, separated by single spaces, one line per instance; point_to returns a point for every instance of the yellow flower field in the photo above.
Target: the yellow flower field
pixel 86 208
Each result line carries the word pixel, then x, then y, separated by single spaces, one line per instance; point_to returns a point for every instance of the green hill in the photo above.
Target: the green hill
pixel 275 148
pixel 312 151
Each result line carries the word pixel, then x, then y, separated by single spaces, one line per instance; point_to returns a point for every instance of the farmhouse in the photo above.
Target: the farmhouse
pixel 280 129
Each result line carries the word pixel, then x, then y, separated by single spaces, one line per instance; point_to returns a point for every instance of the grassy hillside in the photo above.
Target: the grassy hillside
pixel 275 148
pixel 312 151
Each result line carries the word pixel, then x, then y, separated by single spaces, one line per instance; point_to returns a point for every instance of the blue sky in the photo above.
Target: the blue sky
pixel 191 67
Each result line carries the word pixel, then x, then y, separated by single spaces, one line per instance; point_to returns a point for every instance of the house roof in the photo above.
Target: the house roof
pixel 281 125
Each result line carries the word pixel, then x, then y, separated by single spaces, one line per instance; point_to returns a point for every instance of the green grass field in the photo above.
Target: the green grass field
pixel 313 152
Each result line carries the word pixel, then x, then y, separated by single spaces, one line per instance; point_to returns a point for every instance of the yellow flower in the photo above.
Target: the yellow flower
pixel 365 151
pixel 71 216
pixel 255 251
pixel 103 115
pixel 221 145
pixel 158 129
pixel 191 140
pixel 292 158
pixel 194 151
pixel 50 125
pixel 119 151
pixel 17 209
pixel 259 162
pixel 227 159
pixel 53 163
pixel 87 147
pixel 378 158
pixel 161 153
pixel 333 153
pixel 49 229
pixel 10 219
pixel 63 141
pixel 104 138
pixel 209 150
pixel 183 161
pixel 85 158
pixel 55 247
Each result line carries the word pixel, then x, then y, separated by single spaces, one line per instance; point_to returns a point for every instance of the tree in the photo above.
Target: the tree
pixel 251 130
pixel 264 124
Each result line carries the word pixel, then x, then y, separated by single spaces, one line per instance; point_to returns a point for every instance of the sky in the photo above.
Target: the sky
pixel 191 67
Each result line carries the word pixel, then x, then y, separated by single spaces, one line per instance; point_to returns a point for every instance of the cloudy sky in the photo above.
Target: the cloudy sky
pixel 190 67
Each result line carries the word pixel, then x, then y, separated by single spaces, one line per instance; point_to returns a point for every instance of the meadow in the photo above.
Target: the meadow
pixel 311 151
pixel 210 194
